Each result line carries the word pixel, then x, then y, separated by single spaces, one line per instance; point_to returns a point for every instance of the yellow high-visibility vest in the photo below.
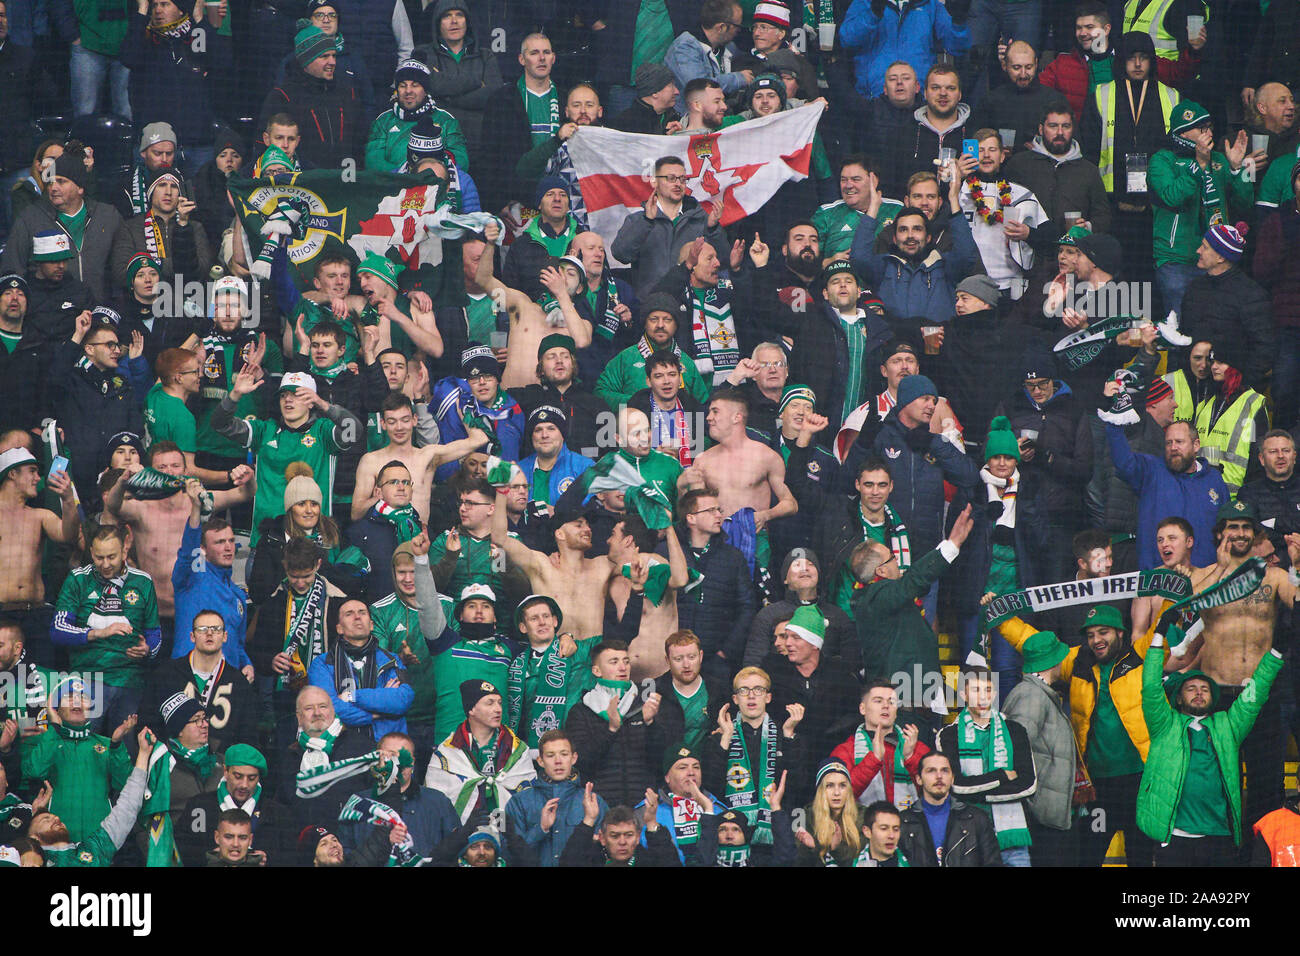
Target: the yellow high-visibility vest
pixel 1226 443
pixel 1106 98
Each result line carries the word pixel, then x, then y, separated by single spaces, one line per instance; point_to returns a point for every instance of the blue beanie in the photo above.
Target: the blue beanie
pixel 913 387
pixel 546 184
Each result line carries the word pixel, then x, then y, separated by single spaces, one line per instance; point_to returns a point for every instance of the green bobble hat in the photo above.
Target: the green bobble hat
pixel 676 753
pixel 1187 115
pixel 1073 235
pixel 793 392
pixel 138 262
pixel 1102 615
pixel 1042 651
pixel 1001 440
pixel 311 42
pixel 379 266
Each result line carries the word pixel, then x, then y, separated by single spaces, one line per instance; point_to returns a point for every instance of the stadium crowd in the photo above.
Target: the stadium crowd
pixel 940 508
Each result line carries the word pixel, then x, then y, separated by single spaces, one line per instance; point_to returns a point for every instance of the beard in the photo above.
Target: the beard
pixel 804 263
pixel 1191 711
pixel 1057 147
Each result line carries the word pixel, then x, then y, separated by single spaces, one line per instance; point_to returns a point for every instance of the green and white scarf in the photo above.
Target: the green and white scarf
pixel 713 330
pixel 659 573
pixel 226 802
pixel 71 733
pixel 904 789
pixel 546 710
pixel 686 818
pixel 150 485
pixel 362 809
pixel 747 783
pixel 315 777
pixel 980 753
pixel 598 697
pixel 865 858
pixel 733 855
pixel 155 814
pixel 404 519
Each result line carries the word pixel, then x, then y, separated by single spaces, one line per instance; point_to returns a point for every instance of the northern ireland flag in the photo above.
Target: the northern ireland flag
pixel 739 167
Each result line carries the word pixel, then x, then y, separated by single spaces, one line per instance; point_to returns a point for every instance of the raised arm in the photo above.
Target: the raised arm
pixel 62 529
pixel 785 501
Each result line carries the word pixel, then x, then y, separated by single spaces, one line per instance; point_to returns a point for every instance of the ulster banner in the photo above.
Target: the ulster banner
pixel 740 166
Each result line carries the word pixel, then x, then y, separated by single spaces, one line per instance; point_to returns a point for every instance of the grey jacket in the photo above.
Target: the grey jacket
pixel 91 262
pixel 1038 708
pixel 188 252
pixel 651 246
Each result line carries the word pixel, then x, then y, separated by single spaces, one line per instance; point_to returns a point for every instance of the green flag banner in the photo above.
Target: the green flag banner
pixel 405 218
pixel 1160 582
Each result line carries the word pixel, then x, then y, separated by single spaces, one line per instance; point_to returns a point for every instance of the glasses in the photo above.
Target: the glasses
pixel 751 691
pixel 715 510
pixel 672 179
pixel 210 629
pixel 188 371
pixel 400 482
pixel 109 344
pixel 771 365
pixel 466 503
pixel 322 15
pixel 199 718
pixel 1039 385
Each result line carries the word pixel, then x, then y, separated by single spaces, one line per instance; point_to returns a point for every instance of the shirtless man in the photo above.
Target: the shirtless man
pixel 631 543
pixel 22 530
pixel 158 525
pixel 378 281
pixel 576 582
pixel 1236 638
pixel 1174 542
pixel 528 323
pixel 747 474
pixel 397 419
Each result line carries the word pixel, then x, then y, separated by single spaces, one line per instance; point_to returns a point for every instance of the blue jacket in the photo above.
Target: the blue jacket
pixel 1195 496
pixel 903 31
pixel 524 815
pixel 199 585
pixel 379 709
pixel 701 853
pixel 428 814
pixel 568 466
pixel 918 479
pixel 449 401
pixel 915 288
pixel 688 60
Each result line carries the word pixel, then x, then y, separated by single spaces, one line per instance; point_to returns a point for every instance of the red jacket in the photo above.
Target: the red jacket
pixel 1068 75
pixel 861 774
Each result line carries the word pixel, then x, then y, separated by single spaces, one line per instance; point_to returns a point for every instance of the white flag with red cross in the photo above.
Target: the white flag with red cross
pixel 739 167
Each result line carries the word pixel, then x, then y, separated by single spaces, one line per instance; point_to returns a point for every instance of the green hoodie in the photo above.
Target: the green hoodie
pixel 1180 219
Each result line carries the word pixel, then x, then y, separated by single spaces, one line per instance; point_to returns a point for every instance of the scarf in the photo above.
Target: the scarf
pixel 305 629
pixel 138 194
pixel 713 331
pixel 404 519
pixel 982 753
pixel 331 373
pixel 149 485
pixel 155 813
pixel 506 749
pixel 323 744
pixel 322 774
pixel 865 858
pixel 153 237
pixel 1211 200
pixel 425 106
pixel 670 426
pixel 1158 582
pixel 686 818
pixel 71 733
pixel 1002 492
pixel 898 775
pixel 656 584
pixel 1240 582
pixel 604 323
pixel 220 366
pixel 598 697
pixel 355 668
pixel 178 29
pixel 546 711
pixel 226 802
pixel 359 809
pixel 733 855
pixel 287 221
pixel 745 791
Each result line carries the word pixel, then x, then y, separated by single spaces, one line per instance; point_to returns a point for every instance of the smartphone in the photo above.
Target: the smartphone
pixel 971 148
pixel 57 467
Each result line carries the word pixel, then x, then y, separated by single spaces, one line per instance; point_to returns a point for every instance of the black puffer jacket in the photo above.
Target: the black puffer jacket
pixel 53 307
pixel 1062 462
pixel 968 841
pixel 1233 307
pixel 976 369
pixel 1279 500
pixel 620 764
pixel 329 116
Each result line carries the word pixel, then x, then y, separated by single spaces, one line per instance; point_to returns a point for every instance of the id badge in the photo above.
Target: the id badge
pixel 1135 172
